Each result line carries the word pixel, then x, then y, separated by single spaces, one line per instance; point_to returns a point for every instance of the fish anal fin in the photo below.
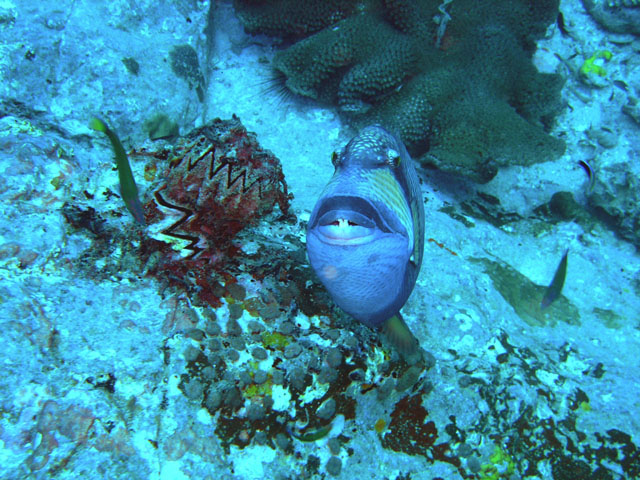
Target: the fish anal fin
pixel 398 334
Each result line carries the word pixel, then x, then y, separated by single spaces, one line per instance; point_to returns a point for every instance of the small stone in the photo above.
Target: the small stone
pixel 127 325
pixel 232 355
pixel 620 38
pixel 214 399
pixel 36 282
pixel 193 389
pixel 237 343
pixel 385 389
pixel 233 327
pixel 215 359
pixel 427 387
pixel 334 466
pixel 384 368
pixel 292 350
pixel 215 344
pixel 260 437
pixel 190 353
pixel 9 250
pixel 277 377
pixel 212 328
pixel 327 375
pixel 208 373
pixel 333 334
pixel 327 410
pixel 314 363
pixel 564 205
pixel 473 464
pixel 286 328
pixel 255 338
pixel 232 398
pixel 255 411
pixel 26 257
pixel 235 312
pixel 465 450
pixel 409 379
pixel 351 342
pixel 429 360
pixel 267 402
pixel 632 108
pixel 296 378
pixel 260 377
pixel 244 377
pixel 334 445
pixel 195 334
pixel 259 353
pixel 269 312
pixel 412 357
pixel 255 327
pixel 282 441
pixel 334 358
pixel 158 126
pixel 237 292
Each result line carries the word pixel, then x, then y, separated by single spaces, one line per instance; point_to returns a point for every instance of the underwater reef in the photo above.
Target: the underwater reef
pixel 200 344
pixel 454 79
pixel 620 16
pixel 240 357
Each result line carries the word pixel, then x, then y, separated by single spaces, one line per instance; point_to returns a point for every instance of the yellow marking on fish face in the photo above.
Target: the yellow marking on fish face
pixel 384 188
pixel 415 213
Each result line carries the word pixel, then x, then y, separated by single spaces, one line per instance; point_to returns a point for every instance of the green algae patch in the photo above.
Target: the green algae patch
pixel 275 340
pixel 525 296
pixel 451 211
pixel 255 390
pixel 609 318
pixel 500 465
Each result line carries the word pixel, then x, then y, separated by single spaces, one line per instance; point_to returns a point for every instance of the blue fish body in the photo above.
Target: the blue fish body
pixel 365 237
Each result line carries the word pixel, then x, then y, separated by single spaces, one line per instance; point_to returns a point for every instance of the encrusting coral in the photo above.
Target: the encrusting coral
pixel 453 79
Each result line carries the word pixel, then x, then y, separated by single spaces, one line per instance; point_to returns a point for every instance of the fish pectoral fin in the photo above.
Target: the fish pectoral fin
pixel 397 333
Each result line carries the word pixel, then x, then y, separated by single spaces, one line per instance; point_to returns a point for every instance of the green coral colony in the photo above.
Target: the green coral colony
pixel 453 79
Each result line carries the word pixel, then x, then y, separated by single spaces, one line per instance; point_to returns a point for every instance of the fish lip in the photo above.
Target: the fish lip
pixel 347 220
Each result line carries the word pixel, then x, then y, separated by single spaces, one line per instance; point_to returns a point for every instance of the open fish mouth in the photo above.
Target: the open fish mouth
pixel 342 227
pixel 348 221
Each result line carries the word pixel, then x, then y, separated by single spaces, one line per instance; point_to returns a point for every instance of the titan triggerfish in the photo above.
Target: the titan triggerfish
pixel 365 236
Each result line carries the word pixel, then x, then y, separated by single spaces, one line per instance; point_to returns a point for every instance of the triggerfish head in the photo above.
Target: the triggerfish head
pixel 365 237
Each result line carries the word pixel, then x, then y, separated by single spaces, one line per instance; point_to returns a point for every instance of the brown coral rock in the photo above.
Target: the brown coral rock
pixel 218 182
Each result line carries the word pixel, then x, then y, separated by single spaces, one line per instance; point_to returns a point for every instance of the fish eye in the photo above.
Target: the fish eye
pixel 335 159
pixel 393 157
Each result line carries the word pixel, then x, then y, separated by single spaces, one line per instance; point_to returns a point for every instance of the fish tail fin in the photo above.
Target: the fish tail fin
pixel 397 333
